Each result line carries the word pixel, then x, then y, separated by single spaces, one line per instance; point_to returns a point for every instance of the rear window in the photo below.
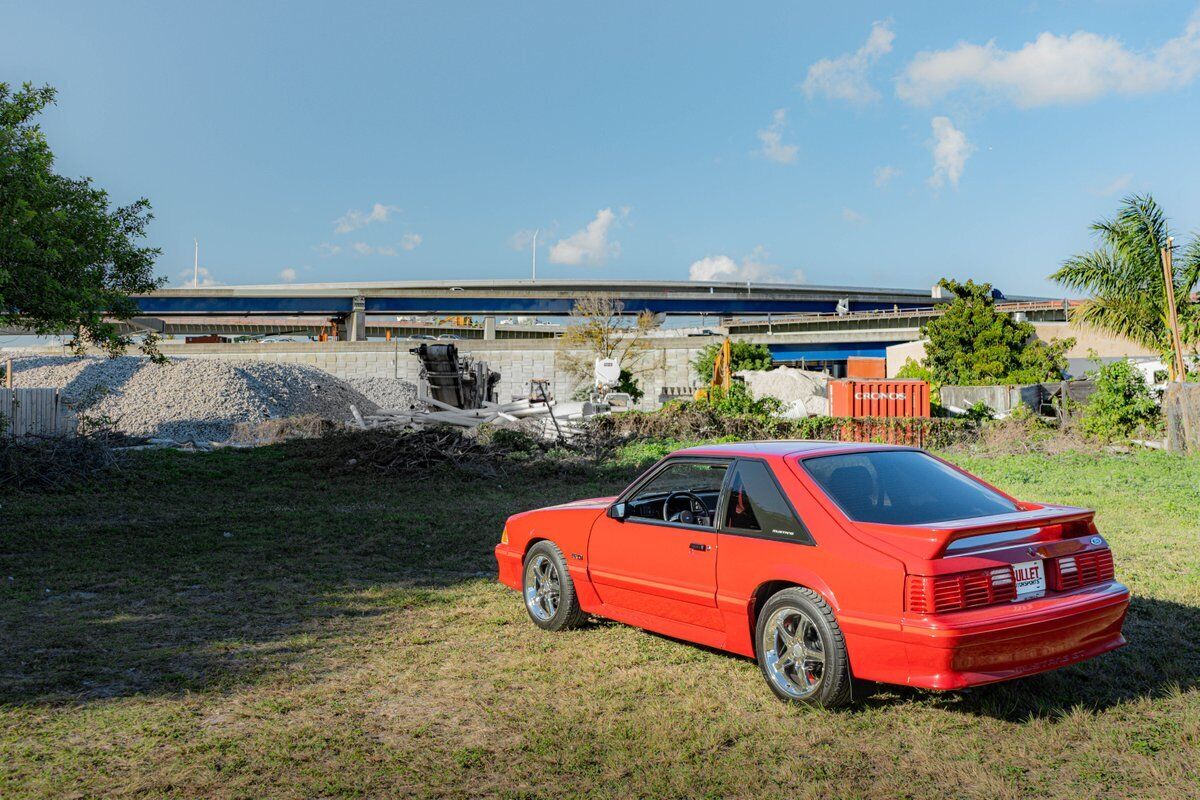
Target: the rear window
pixel 902 487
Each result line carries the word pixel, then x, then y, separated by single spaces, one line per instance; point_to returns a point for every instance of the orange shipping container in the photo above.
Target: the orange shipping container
pixel 863 398
pixel 866 367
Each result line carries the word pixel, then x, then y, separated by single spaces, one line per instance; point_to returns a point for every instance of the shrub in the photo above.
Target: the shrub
pixel 916 371
pixel 628 384
pixel 1121 404
pixel 743 355
pixel 701 421
pixel 738 401
pixel 980 412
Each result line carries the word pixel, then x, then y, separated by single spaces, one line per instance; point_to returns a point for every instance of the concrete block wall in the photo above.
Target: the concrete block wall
pixel 666 363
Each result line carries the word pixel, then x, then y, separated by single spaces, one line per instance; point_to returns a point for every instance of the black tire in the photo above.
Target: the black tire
pixel 548 591
pixel 815 668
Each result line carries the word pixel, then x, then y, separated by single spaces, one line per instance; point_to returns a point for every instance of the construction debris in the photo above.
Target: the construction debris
pixel 458 391
pixel 804 393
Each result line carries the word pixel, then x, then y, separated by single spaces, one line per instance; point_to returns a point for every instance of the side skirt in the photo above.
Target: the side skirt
pixel 667 627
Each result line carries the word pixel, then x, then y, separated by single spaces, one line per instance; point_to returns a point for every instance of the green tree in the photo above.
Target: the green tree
pixel 1120 405
pixel 68 261
pixel 743 355
pixel 973 343
pixel 1124 277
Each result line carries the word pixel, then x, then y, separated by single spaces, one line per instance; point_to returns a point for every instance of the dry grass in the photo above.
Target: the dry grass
pixel 249 624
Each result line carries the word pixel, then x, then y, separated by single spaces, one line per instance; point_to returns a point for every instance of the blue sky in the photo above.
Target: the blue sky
pixel 862 144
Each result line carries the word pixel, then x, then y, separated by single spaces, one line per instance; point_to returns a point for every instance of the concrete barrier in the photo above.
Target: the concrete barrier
pixel 1001 399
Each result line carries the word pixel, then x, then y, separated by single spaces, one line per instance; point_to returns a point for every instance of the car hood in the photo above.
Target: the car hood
pixel 590 502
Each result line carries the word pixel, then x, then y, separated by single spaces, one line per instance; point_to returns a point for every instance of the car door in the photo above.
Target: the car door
pixel 656 566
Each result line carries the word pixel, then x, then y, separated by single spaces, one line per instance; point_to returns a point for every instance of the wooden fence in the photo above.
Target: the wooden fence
pixel 35 412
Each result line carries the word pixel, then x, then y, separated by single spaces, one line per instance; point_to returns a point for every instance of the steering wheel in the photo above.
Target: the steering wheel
pixel 696 509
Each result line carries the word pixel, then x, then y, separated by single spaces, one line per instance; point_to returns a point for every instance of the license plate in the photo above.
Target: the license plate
pixel 1031 579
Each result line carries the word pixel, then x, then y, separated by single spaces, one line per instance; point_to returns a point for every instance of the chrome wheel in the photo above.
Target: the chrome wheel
pixel 793 653
pixel 542 588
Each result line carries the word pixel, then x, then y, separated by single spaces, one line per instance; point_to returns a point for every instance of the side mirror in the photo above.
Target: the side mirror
pixel 618 511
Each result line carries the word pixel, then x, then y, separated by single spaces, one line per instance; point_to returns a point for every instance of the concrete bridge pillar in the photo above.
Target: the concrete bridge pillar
pixel 489 327
pixel 355 327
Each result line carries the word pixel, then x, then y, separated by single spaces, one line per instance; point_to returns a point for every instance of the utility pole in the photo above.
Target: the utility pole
pixel 535 235
pixel 196 266
pixel 1172 316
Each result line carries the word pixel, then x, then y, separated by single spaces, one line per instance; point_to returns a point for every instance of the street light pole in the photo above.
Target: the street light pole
pixel 535 235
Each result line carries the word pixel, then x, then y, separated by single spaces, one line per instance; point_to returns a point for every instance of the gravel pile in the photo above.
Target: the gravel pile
pixel 804 393
pixel 385 392
pixel 201 399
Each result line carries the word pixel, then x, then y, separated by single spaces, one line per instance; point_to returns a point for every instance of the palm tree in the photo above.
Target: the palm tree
pixel 1124 277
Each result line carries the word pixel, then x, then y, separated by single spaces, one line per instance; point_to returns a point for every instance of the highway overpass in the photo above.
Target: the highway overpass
pixel 349 304
pixel 524 297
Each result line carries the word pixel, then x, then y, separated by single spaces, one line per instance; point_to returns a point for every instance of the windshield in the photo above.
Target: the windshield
pixel 902 487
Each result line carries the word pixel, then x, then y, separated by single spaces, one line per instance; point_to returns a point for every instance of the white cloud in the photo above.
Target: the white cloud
pixel 411 241
pixel 1115 185
pixel 327 249
pixel 950 152
pixel 852 216
pixel 771 137
pixel 287 274
pixel 352 220
pixel 590 245
pixel 753 267
pixel 364 249
pixel 884 176
pixel 187 278
pixel 1053 69
pixel 845 77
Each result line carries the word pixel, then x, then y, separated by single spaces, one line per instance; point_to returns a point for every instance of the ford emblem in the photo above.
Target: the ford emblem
pixel 1097 540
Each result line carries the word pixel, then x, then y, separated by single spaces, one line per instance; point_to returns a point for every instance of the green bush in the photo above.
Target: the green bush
pixel 743 355
pixel 687 421
pixel 1121 404
pixel 980 412
pixel 628 384
pixel 738 401
pixel 625 383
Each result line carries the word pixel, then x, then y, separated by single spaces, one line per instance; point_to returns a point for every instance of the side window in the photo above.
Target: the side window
pixel 685 492
pixel 756 504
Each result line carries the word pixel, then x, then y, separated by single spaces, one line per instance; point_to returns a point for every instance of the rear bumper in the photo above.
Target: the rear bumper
pixel 998 643
pixel 508 561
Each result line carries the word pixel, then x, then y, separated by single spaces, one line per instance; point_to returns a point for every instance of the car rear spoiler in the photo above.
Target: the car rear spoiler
pixel 930 541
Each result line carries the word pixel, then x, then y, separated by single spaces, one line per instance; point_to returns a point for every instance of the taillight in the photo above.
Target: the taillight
pixel 933 594
pixel 1082 569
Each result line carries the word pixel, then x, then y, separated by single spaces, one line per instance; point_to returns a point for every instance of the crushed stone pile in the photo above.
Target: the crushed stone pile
pixel 385 392
pixel 191 399
pixel 804 393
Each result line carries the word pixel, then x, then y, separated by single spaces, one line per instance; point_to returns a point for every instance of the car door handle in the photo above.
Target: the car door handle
pixel 699 546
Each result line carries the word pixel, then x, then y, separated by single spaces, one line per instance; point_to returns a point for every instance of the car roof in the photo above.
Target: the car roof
pixel 784 447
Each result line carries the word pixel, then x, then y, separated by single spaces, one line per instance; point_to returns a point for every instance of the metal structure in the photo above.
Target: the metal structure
pixel 461 382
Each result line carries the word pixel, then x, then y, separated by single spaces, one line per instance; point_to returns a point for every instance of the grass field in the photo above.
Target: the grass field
pixel 254 624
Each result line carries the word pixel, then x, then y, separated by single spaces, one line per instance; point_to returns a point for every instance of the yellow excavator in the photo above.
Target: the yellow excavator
pixel 722 374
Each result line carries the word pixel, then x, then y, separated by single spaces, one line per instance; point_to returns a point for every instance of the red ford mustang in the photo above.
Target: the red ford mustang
pixel 828 562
